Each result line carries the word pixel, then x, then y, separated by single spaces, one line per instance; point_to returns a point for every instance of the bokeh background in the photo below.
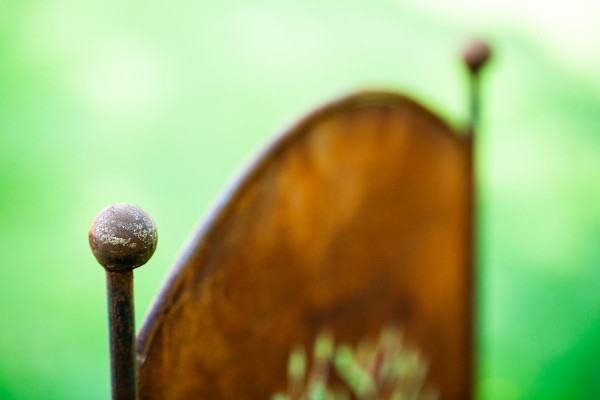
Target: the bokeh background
pixel 157 103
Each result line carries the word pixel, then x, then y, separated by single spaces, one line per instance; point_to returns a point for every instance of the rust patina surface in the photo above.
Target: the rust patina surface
pixel 358 216
pixel 121 328
pixel 122 237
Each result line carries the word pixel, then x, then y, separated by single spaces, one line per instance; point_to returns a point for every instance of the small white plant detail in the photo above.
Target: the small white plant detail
pixel 385 370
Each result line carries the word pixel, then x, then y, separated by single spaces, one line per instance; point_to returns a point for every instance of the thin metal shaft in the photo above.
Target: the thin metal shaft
pixel 474 100
pixel 472 238
pixel 476 54
pixel 121 321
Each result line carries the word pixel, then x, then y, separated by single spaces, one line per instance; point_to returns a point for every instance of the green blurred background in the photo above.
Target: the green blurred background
pixel 158 103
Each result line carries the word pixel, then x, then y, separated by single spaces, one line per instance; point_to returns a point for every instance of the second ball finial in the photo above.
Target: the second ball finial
pixel 476 53
pixel 122 237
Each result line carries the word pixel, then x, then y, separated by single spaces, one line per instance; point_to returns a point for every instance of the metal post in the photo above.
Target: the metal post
pixel 122 237
pixel 475 56
pixel 121 323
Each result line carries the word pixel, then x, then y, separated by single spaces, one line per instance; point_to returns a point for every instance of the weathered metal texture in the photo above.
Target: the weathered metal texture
pixel 122 237
pixel 123 363
pixel 356 217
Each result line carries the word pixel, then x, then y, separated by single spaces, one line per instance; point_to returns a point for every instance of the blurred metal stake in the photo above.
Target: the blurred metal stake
pixel 475 56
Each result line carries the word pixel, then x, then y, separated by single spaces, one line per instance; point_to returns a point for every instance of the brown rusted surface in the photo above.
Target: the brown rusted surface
pixel 119 288
pixel 356 217
pixel 122 237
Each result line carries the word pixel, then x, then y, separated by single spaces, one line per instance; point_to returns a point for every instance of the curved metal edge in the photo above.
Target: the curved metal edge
pixel 198 239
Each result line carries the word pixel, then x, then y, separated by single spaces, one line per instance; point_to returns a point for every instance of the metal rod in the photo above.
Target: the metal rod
pixel 475 55
pixel 474 99
pixel 121 321
pixel 122 237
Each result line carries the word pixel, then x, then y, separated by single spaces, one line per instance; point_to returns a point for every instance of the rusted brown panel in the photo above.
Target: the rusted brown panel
pixel 357 217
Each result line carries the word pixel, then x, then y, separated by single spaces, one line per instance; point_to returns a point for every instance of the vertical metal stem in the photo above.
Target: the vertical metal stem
pixel 475 57
pixel 474 104
pixel 472 239
pixel 121 321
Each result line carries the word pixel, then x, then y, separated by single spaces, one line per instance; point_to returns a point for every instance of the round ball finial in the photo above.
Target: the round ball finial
pixel 476 53
pixel 123 237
